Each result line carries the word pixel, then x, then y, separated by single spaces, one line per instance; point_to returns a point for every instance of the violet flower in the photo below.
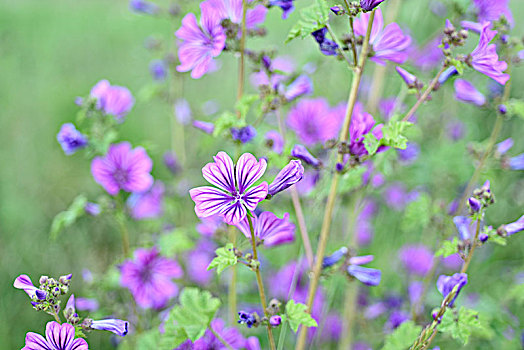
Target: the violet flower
pixel 286 6
pixel 366 275
pixel 230 335
pixel 301 86
pixel 334 258
pixel 504 146
pixel 445 284
pixel 472 26
pixel 361 124
pixel 269 229
pixel 327 47
pixel 243 135
pixel 466 92
pixel 143 6
pixel 368 5
pixel 410 154
pixel 200 258
pixel 288 176
pixel 182 111
pixel 86 304
pixel 206 127
pixel 275 141
pixel 171 162
pixel 428 56
pixel 232 10
pixel 25 283
pixel 57 337
pixel 92 209
pixel 491 11
pixel 280 68
pixel 464 227
pixel 416 259
pixel 113 100
pixel 232 197
pixel 115 326
pixel 148 278
pixel 515 227
pixel 158 69
pixel 408 78
pixel 302 153
pixel 71 139
pixel 246 318
pixel 517 162
pixel 200 44
pixel 484 58
pixel 388 43
pixel 448 73
pixel 275 321
pixel 123 168
pixel 147 205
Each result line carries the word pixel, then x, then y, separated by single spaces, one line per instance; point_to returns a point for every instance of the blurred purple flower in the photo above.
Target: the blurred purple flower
pixel 302 153
pixel 115 326
pixel 466 92
pixel 92 209
pixel 452 262
pixel 515 227
pixel 230 335
pixel 517 162
pixel 445 285
pixel 448 73
pixel 301 86
pixel 182 111
pixel 269 229
pixel 366 275
pixel 286 6
pixel 389 106
pixel 327 47
pixel 396 318
pixel 25 283
pixel 288 176
pixel 171 162
pixel 232 10
pixel 252 343
pixel 465 226
pixel 200 44
pixel 244 135
pixel 427 56
pixel 396 196
pixel 368 5
pixel 71 139
pixel 472 26
pixel 149 204
pixel 57 337
pixel 275 141
pixel 198 261
pixel 408 78
pixel 206 127
pixel 484 57
pixel 209 225
pixel 149 278
pixel 111 99
pixel 158 69
pixel 334 258
pixel 408 155
pixel 388 43
pixel 280 69
pixel 232 196
pixel 361 124
pixel 416 259
pixel 491 11
pixel 415 291
pixel 123 168
pixel 85 304
pixel 143 6
pixel 455 130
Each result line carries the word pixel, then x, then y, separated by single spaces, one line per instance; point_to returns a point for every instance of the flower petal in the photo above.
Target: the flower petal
pixel 209 201
pixel 255 195
pixel 221 172
pixel 248 171
pixel 234 213
pixel 35 341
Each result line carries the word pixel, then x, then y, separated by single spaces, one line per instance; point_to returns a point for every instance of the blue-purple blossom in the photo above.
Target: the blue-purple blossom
pixel 86 304
pixel 428 56
pixel 472 26
pixel 368 5
pixel 301 86
pixel 200 257
pixel 115 326
pixel 302 153
pixel 286 6
pixel 334 258
pixel 279 70
pixel 206 127
pixel 288 176
pixel 71 139
pixel 269 229
pixel 158 69
pixel 448 73
pixel 396 318
pixel 464 226
pixel 408 78
pixel 474 204
pixel 92 209
pixel 327 46
pixel 149 204
pixel 25 283
pixel 232 10
pixel 143 6
pixel 57 337
pixel 182 111
pixel 504 146
pixel 233 195
pixel 244 134
pixel 445 284
pixel 275 320
pixel 247 318
pixel 275 141
pixel 493 10
pixel 517 162
pixel 515 227
pixel 230 335
pixel 112 99
pixel 484 58
pixel 410 154
pixel 362 123
pixel 416 259
pixel 171 162
pixel 366 275
pixel 466 92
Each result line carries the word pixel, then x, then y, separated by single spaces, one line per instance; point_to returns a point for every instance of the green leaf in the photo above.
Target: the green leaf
pixel 371 143
pixel 495 238
pixel 462 324
pixel 402 337
pixel 313 18
pixel 245 103
pixel 448 248
pixel 297 315
pixel 226 121
pixel 393 134
pixel 459 65
pixel 516 107
pixel 68 217
pixel 225 257
pixel 174 242
pixel 417 214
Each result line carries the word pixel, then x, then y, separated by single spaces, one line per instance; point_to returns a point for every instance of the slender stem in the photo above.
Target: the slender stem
pixel 57 318
pixel 240 86
pixel 335 38
pixel 424 95
pixel 328 213
pixel 259 281
pixel 232 292
pixel 120 217
pixel 219 337
pixel 473 246
pixel 353 44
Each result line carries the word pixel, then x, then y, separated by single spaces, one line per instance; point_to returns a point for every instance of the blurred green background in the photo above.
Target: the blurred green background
pixel 53 51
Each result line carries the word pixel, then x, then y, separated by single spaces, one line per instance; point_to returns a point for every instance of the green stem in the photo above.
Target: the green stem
pixel 332 33
pixel 219 337
pixel 57 318
pixel 240 85
pixel 232 292
pixel 260 284
pixel 121 220
pixel 328 213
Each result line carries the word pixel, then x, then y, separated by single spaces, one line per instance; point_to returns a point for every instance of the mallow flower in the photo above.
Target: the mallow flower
pixel 233 195
pixel 514 227
pixel 143 6
pixel 275 141
pixel 123 168
pixel 517 162
pixel 301 86
pixel 288 176
pixel 366 275
pixel 149 204
pixel 232 10
pixel 466 92
pixel 115 326
pixel 71 139
pixel 492 10
pixel 368 5
pixel 286 6
pixel 268 228
pixel 302 153
pixel 57 337
pixel 327 47
pixel 388 43
pixel 112 99
pixel 445 284
pixel 24 282
pixel 361 124
pixel 416 259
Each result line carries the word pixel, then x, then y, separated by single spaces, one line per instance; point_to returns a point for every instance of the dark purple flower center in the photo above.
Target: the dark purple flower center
pixel 120 176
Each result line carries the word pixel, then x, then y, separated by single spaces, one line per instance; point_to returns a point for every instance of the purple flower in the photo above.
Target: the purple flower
pixel 410 154
pixel 334 258
pixel 171 162
pixel 417 259
pixel 288 176
pixel 123 168
pixel 92 209
pixel 143 6
pixel 275 141
pixel 25 283
pixel 515 227
pixel 275 320
pixel 361 124
pixel 388 43
pixel 252 343
pixel 57 337
pixel 327 47
pixel 206 127
pixel 111 99
pixel 301 86
pixel 116 326
pixel 246 318
pixel 199 259
pixel 244 135
pixel 286 6
pixel 408 78
pixel 396 196
pixel 448 73
pixel 232 10
pixel 396 318
pixel 85 304
pixel 158 69
pixel 474 204
pixel 427 56
pixel 233 197
pixel 517 162
pixel 472 26
pixel 147 205
pixel 490 10
pixel 71 139
pixel 455 130
pixel 312 121
pixel 182 111
pixel 209 225
pixel 200 44
pixel 280 69
pixel 230 335
pixel 269 229
pixel 445 285
pixel 484 58
pixel 302 153
pixel 415 291
pixel 466 92
pixel 464 226
pixel 366 275
pixel 148 277
pixel 368 5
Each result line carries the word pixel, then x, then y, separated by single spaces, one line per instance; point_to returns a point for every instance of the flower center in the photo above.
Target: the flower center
pixel 120 176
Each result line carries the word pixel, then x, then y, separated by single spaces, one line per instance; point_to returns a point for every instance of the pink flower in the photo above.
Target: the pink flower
pixel 269 229
pixel 112 99
pixel 57 337
pixel 484 58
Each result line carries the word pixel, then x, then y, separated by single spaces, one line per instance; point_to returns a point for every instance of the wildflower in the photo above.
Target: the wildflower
pixel 327 47
pixel 466 92
pixel 233 197
pixel 115 326
pixel 171 162
pixel 396 318
pixel 514 227
pixel 25 283
pixel 388 43
pixel 361 124
pixel 311 120
pixel 416 259
pixel 92 209
pixel 275 320
pixel 230 335
pixel 113 100
pixel 428 56
pixel 86 304
pixel 410 154
pixel 147 205
pixel 455 130
pixel 268 228
pixel 206 127
pixel 301 86
pixel 484 58
pixel 275 141
pixel 396 196
pixel 286 6
pixel 57 337
pixel 200 44
pixel 337 10
pixel 502 109
pixel 158 70
pixel 517 162
pixel 445 284
pixel 288 176
pixel 232 10
pixel 334 258
pixel 71 139
pixel 464 227
pixel 493 10
pixel 244 134
pixel 123 168
pixel 409 79
pixel 368 5
pixel 148 278
pixel 448 73
pixel 504 146
pixel 474 204
pixel 199 259
pixel 473 26
pixel 279 68
pixel 249 319
pixel 366 275
pixel 143 6
pixel 302 153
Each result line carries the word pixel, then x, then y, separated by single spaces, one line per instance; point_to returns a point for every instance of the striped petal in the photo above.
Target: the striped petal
pixel 255 195
pixel 35 341
pixel 60 336
pixel 248 171
pixel 209 201
pixel 221 172
pixel 234 213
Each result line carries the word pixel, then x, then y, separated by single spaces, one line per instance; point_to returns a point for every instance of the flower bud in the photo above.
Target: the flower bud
pixel 483 237
pixel 408 78
pixel 275 320
pixel 502 109
pixel 474 204
pixel 302 153
pixel 368 5
pixel 288 176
